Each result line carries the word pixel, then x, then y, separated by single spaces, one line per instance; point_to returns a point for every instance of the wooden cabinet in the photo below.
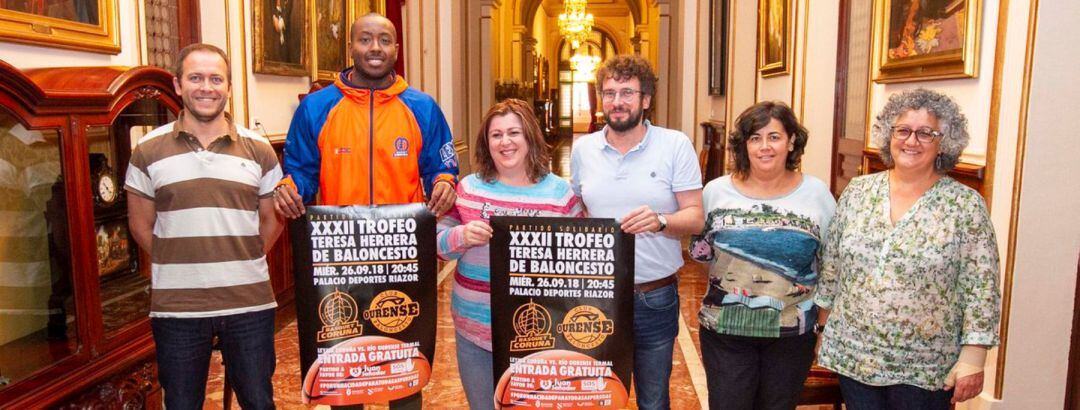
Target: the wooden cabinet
pixel 74 288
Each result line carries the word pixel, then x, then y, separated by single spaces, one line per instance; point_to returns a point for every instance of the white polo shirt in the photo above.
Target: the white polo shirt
pixel 612 184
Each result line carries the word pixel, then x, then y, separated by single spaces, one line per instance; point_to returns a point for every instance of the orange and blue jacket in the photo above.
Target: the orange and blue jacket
pixel 363 146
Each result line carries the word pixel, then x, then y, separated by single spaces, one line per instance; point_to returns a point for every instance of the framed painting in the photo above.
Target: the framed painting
pixel 718 10
pixel 773 34
pixel 332 21
pixel 280 41
pixel 926 39
pixel 330 38
pixel 89 25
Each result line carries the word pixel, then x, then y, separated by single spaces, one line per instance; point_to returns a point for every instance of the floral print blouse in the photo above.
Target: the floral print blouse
pixel 904 298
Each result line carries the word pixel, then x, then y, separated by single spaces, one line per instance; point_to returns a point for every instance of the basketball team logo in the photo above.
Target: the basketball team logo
pixel 532 324
pixel 338 312
pixel 392 311
pixel 401 147
pixel 585 327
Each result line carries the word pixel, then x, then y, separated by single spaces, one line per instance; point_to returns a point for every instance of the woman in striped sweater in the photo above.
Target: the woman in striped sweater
pixel 513 178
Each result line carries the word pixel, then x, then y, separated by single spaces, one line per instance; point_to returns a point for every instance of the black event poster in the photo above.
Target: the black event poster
pixel 563 334
pixel 365 302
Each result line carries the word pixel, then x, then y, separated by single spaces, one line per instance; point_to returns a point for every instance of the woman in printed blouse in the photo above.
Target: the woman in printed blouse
pixel 513 179
pixel 762 235
pixel 910 269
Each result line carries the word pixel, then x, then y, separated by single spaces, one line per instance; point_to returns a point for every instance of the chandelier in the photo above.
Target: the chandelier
pixel 574 23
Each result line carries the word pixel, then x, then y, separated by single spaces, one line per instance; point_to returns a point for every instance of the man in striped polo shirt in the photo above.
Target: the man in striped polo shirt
pixel 200 201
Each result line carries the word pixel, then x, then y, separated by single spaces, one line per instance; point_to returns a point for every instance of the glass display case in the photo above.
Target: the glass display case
pixel 74 288
pixel 37 310
pixel 123 279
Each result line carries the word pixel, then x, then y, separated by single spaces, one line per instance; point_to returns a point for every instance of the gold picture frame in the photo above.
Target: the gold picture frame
pixel 280 37
pixel 939 40
pixel 773 32
pixel 351 9
pixel 87 25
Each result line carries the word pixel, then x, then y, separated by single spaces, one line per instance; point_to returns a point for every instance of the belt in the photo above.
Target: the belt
pixel 654 285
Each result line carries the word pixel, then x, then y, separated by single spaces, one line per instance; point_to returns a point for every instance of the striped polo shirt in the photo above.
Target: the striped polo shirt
pixel 207 258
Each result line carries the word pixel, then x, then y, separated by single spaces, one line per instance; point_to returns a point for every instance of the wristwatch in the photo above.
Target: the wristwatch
pixel 663 222
pixel 818 328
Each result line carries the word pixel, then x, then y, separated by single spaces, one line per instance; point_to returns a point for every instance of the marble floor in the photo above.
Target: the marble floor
pixel 444 391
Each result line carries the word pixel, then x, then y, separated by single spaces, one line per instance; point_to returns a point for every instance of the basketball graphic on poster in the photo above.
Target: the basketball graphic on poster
pixel 563 372
pixel 378 367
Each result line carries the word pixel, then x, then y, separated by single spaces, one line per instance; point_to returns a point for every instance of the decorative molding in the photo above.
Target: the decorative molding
pixel 805 45
pixel 729 106
pixel 102 37
pixel 147 93
pixel 127 390
pixel 140 42
pixel 1018 180
pixel 994 120
pixel 228 47
pixel 243 63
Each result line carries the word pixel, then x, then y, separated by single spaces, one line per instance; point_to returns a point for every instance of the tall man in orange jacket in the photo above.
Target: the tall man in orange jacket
pixel 368 139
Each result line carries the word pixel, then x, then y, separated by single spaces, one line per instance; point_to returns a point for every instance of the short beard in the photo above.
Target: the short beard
pixel 622 126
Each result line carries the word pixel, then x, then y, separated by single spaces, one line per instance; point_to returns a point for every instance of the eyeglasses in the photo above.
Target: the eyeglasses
pixel 625 94
pixel 923 135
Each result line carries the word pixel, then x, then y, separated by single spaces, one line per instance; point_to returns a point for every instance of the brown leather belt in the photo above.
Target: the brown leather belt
pixel 654 285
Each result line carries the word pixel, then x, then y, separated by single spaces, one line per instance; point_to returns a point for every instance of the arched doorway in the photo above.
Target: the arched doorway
pixel 576 99
pixel 514 46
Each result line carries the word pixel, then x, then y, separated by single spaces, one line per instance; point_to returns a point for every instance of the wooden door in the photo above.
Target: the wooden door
pixel 852 86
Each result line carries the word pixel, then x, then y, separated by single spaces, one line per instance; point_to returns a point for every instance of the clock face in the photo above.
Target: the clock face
pixel 106 188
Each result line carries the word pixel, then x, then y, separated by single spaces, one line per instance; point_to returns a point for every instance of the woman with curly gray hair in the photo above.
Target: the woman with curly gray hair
pixel 909 285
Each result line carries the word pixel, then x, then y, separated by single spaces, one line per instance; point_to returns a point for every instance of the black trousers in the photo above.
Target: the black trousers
pixel 414 402
pixel 860 396
pixel 755 372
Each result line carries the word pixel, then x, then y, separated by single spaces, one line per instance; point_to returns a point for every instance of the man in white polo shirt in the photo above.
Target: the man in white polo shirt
pixel 200 201
pixel 648 178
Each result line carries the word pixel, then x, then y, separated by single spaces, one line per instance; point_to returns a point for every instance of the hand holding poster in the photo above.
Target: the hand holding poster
pixel 569 286
pixel 365 302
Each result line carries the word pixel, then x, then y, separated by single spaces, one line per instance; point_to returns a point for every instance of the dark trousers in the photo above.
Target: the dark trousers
pixel 247 349
pixel 413 402
pixel 755 372
pixel 860 396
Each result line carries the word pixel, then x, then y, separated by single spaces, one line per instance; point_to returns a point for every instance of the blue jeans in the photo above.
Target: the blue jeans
pixel 860 396
pixel 247 350
pixel 656 323
pixel 474 365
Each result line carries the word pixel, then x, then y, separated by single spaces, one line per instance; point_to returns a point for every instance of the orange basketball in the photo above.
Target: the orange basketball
pixel 367 369
pixel 560 379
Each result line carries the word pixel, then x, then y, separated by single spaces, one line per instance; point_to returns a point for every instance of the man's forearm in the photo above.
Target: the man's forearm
pixel 143 236
pixel 141 219
pixel 270 226
pixel 686 221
